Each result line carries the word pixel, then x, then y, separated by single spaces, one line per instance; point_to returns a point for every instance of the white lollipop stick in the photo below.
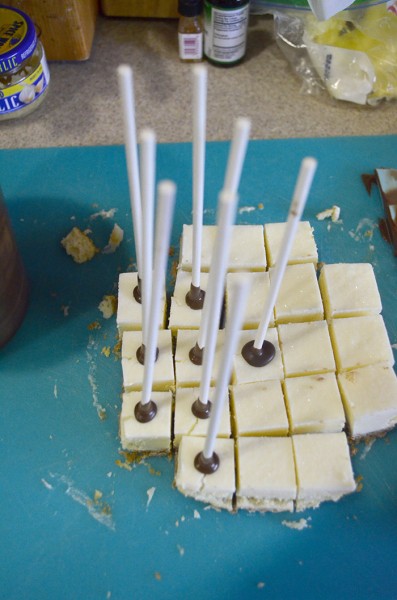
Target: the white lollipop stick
pixel 237 154
pixel 166 191
pixel 233 327
pixel 125 78
pixel 216 283
pixel 301 192
pixel 199 122
pixel 148 176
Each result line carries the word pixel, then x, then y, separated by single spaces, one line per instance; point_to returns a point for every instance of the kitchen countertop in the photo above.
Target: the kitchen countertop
pixel 82 106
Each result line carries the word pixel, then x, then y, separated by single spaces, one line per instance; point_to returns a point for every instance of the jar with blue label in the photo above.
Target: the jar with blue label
pixel 24 74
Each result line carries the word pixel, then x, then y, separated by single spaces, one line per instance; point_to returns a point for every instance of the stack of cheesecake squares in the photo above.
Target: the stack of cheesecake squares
pixel 282 439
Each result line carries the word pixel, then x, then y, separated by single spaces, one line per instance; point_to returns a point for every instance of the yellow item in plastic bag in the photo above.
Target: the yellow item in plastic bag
pixel 371 32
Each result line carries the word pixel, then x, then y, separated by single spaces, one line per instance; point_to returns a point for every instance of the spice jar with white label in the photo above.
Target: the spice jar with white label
pixel 190 30
pixel 24 74
pixel 225 25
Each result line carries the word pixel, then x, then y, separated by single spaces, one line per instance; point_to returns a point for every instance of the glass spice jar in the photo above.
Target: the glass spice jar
pixel 225 24
pixel 190 30
pixel 24 74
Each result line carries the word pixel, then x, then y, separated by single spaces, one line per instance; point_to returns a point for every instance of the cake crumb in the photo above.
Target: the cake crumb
pixel 108 306
pixel 261 206
pixel 359 482
pixel 131 459
pixel 150 494
pixel 152 470
pixel 157 576
pixel 115 239
pixel 117 350
pixel 123 465
pixel 106 351
pixel 298 525
pixel 181 550
pixel 97 495
pixel 79 246
pixel 368 445
pixel 196 514
pixel 260 585
pixel 94 325
pixel 333 213
pixel 65 310
pixel 102 413
pixel 105 214
pixel 46 484
pixel 210 507
pixel 246 209
pixel 353 448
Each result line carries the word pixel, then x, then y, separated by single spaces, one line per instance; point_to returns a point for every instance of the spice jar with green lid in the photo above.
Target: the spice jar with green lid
pixel 24 74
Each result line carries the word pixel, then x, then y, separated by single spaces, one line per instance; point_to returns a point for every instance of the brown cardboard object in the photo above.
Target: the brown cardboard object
pixel 161 9
pixel 66 27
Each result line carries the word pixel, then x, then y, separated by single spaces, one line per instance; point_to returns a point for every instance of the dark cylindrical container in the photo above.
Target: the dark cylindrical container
pixel 13 280
pixel 225 24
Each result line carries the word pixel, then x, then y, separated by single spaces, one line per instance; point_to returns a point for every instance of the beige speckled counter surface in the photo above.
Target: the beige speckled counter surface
pixel 82 106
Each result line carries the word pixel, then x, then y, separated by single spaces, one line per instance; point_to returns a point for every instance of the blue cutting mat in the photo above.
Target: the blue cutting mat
pixel 60 539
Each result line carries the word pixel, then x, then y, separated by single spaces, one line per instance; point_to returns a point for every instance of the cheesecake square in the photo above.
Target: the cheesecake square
pixel 187 374
pixel 314 404
pixel 182 316
pixel 303 249
pixel 216 488
pixel 129 311
pixel 163 377
pixel 246 373
pixel 265 474
pixel 299 298
pixel 349 290
pixel 259 283
pixel 323 468
pixel 186 423
pixel 258 409
pixel 306 348
pixel 247 249
pixel 360 341
pixel 154 436
pixel 370 399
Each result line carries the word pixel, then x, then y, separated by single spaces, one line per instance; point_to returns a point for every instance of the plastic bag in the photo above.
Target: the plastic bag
pixel 353 54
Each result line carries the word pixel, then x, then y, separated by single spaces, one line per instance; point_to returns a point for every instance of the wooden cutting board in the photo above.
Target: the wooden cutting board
pixel 66 27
